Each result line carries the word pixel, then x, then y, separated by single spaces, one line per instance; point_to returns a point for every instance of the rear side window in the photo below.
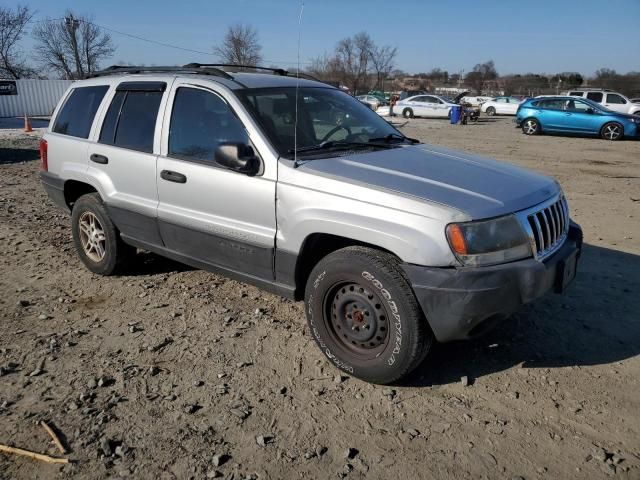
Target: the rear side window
pixel 131 120
pixel 595 96
pixel 551 104
pixel 200 121
pixel 614 98
pixel 77 113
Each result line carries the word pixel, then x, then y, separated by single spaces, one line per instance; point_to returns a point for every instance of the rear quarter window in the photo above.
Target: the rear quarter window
pixel 77 113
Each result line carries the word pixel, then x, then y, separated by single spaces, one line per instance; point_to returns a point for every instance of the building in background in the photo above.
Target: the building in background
pixel 30 97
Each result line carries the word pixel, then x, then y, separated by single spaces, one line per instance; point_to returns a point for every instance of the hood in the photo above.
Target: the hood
pixel 477 186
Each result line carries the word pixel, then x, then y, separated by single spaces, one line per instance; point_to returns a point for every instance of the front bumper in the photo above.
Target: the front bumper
pixel 461 302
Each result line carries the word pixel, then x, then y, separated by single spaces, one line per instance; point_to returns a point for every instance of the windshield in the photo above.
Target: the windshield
pixel 325 115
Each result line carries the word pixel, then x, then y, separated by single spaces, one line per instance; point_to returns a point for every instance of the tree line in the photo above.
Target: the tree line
pixel 74 46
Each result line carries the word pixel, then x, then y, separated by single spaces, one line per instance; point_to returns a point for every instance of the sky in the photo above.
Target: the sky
pixel 545 36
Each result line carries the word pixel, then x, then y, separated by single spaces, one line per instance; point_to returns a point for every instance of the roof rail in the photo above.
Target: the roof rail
pixel 595 89
pixel 191 68
pixel 239 68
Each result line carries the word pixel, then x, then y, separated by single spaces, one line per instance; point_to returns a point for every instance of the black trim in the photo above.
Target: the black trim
pixel 269 285
pixel 219 250
pixel 284 267
pixel 461 302
pixel 135 225
pixel 54 186
pixel 142 87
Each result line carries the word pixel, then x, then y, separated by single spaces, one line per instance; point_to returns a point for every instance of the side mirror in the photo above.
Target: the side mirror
pixel 237 157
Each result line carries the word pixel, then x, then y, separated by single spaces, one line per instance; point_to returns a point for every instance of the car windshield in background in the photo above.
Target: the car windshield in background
pixel 328 120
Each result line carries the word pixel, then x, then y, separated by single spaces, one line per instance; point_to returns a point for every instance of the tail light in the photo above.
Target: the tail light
pixel 44 160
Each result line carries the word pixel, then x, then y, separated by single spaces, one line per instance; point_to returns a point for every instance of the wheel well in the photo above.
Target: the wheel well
pixel 74 189
pixel 317 246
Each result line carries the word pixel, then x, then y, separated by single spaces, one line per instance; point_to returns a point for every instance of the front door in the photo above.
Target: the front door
pixel 215 216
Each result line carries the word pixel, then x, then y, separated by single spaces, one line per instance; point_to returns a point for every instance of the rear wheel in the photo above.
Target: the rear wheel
pixel 491 111
pixel 612 131
pixel 364 316
pixel 530 126
pixel 96 238
pixel 407 113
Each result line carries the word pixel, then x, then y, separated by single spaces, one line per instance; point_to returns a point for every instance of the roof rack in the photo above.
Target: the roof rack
pixel 191 68
pixel 595 89
pixel 239 68
pixel 215 69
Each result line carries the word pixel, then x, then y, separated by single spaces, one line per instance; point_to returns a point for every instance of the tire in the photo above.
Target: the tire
pixel 91 226
pixel 491 111
pixel 612 131
pixel 531 126
pixel 364 316
pixel 407 113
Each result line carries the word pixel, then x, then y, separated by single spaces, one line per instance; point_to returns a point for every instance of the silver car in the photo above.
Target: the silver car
pixel 296 187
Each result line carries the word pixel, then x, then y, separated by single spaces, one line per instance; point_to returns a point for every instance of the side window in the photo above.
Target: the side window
pixel 131 119
pixel 551 104
pixel 614 98
pixel 77 114
pixel 430 99
pixel 200 121
pixel 595 96
pixel 577 106
pixel 501 100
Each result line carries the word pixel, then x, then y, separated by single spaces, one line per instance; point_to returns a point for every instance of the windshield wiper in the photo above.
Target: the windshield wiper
pixel 331 145
pixel 393 136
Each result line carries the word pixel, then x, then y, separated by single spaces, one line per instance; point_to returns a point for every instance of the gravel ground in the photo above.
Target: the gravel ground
pixel 170 372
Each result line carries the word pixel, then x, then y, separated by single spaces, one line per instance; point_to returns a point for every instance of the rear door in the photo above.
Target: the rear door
pixel 551 114
pixel 216 216
pixel 123 160
pixel 597 97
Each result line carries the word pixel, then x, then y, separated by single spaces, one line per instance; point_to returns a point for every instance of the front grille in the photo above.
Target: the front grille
pixel 549 226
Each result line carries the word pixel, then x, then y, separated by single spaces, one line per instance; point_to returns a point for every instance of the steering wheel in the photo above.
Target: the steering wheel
pixel 335 129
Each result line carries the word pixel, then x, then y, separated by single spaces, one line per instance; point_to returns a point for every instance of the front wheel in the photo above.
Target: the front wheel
pixel 364 316
pixel 407 113
pixel 612 131
pixel 530 126
pixel 491 111
pixel 96 238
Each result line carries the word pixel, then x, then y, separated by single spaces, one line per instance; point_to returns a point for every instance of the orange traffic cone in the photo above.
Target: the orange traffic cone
pixel 27 124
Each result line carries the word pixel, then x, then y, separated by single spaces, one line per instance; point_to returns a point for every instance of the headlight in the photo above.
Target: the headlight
pixel 489 242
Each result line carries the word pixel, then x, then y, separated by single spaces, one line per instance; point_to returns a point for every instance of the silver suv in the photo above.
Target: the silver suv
pixel 296 187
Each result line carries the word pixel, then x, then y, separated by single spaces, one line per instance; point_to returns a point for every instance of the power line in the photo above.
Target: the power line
pixel 156 42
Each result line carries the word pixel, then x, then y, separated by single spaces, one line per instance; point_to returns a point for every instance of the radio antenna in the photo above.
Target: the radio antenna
pixel 295 123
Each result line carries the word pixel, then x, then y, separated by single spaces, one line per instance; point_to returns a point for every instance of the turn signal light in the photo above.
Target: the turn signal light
pixel 456 239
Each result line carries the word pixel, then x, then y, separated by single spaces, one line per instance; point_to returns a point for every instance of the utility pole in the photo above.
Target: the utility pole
pixel 72 25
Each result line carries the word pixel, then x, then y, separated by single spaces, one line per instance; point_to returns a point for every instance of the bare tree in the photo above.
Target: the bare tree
pixel 351 60
pixel 72 47
pixel 240 46
pixel 382 59
pixel 481 73
pixel 12 28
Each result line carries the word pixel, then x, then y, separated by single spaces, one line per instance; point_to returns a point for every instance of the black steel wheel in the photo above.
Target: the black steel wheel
pixel 364 316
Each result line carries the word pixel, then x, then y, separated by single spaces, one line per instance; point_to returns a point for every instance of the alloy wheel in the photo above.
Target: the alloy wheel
pixel 92 237
pixel 530 127
pixel 612 132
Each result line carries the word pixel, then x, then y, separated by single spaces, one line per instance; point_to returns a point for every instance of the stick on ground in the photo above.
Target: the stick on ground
pixel 37 456
pixel 54 437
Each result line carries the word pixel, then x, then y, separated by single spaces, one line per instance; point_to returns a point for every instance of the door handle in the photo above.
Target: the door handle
pixel 170 176
pixel 101 159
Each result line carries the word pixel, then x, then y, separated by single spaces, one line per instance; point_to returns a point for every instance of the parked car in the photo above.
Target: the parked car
pixel 607 98
pixel 392 244
pixel 424 106
pixel 370 100
pixel 635 100
pixel 501 106
pixel 475 101
pixel 576 116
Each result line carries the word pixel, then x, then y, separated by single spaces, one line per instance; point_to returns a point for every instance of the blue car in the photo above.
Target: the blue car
pixel 575 116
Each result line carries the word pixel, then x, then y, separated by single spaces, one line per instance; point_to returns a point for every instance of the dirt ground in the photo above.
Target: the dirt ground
pixel 170 372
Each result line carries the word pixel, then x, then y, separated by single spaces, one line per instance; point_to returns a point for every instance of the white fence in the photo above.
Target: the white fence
pixel 34 97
